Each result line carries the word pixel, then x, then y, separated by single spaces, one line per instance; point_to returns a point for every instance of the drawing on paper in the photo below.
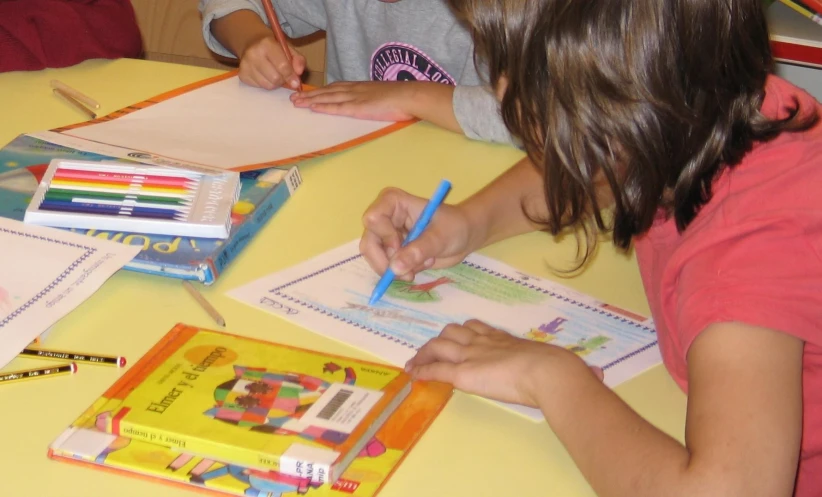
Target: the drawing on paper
pixel 330 293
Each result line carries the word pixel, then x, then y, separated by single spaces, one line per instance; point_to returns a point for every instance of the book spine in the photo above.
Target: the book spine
pixel 805 11
pixel 298 455
pixel 261 215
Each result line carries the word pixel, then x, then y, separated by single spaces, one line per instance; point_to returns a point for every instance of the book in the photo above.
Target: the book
pixel 141 199
pixel 253 403
pixel 23 163
pixel 84 444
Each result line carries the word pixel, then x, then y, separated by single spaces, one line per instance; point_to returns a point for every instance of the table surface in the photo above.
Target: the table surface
pixel 474 448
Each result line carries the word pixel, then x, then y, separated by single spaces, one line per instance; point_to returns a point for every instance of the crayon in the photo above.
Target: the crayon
pixel 111 210
pixel 33 374
pixel 121 179
pixel 57 355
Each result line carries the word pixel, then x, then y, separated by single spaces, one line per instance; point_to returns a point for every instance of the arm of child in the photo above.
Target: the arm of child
pixel 469 110
pixel 744 419
pixel 262 60
pixel 58 33
pixel 384 101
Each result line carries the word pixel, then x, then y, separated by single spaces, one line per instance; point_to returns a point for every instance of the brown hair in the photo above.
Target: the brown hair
pixel 652 97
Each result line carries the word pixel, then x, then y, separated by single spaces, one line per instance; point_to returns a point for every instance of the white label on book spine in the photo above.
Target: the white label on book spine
pixel 341 408
pixel 309 462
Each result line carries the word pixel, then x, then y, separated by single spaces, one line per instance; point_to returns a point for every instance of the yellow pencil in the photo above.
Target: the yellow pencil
pixel 204 303
pixel 58 355
pixel 33 374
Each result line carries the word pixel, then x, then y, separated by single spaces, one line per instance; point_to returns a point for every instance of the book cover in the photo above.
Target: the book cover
pixel 144 199
pixel 86 444
pixel 253 403
pixel 23 163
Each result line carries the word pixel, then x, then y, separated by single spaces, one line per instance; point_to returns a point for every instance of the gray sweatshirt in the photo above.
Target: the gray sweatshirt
pixel 369 40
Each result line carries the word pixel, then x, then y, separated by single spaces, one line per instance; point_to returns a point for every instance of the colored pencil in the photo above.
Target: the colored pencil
pixel 74 357
pixel 114 168
pixel 33 374
pixel 115 186
pixel 123 191
pixel 204 303
pixel 278 33
pixel 129 203
pixel 60 194
pixel 110 210
pixel 125 178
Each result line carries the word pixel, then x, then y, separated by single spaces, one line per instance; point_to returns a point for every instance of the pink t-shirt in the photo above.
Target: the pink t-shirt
pixel 753 254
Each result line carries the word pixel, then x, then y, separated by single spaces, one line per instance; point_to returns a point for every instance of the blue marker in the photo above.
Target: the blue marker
pixel 419 226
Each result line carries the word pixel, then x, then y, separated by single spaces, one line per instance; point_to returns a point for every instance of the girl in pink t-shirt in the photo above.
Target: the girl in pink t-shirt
pixel 665 113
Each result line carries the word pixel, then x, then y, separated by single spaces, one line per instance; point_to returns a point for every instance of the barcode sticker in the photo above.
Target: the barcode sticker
pixel 341 408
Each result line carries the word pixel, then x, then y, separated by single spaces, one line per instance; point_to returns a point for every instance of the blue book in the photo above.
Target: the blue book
pixel 23 163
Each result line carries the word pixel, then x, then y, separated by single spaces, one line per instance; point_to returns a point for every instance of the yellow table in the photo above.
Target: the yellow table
pixel 473 449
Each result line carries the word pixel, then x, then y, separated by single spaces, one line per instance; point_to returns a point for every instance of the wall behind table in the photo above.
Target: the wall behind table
pixel 172 33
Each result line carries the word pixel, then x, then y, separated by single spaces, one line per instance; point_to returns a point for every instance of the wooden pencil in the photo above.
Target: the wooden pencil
pixel 204 303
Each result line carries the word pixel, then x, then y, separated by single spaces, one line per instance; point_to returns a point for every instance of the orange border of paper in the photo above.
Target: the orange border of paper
pixel 249 167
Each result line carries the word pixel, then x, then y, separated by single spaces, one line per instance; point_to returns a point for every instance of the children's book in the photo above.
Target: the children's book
pixel 218 123
pixel 141 199
pixel 253 403
pixel 24 161
pixel 87 444
pixel 329 294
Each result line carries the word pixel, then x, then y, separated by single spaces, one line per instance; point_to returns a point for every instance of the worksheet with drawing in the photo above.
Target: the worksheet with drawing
pixel 329 295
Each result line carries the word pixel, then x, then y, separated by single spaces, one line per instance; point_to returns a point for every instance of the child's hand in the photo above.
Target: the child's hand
pixel 446 241
pixel 482 360
pixel 264 64
pixel 376 100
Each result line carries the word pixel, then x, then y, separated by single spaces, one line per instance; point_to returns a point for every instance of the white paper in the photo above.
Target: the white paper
pixel 44 274
pixel 329 295
pixel 226 124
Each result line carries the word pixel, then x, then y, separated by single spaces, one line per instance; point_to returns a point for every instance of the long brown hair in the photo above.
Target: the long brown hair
pixel 652 97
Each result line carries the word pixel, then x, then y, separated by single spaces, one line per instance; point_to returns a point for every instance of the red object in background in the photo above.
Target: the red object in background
pixel 796 53
pixel 35 34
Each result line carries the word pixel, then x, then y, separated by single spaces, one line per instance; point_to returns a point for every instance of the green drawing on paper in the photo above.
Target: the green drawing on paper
pixel 488 286
pixel 417 292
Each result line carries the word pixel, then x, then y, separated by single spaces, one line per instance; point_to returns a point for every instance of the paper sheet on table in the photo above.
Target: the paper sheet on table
pixel 44 274
pixel 228 125
pixel 329 295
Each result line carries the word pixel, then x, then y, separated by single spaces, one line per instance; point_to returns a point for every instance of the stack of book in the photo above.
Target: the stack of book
pixel 246 417
pixel 812 9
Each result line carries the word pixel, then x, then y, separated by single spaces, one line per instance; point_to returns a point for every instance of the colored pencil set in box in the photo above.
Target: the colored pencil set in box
pixel 135 198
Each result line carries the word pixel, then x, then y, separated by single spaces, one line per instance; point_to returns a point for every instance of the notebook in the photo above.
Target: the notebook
pixel 135 198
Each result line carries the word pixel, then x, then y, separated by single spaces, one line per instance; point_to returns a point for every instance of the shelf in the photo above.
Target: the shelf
pixel 794 38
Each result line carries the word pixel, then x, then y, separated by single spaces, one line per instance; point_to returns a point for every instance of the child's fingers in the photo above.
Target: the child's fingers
pixel 414 255
pixel 284 69
pixel 375 252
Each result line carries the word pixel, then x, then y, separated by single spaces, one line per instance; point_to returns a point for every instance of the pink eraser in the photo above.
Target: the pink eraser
pixel 73 367
pixel 121 362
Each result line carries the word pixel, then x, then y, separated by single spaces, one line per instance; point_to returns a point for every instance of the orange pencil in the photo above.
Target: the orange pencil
pixel 278 33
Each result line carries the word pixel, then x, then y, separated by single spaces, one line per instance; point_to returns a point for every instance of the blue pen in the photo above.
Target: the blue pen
pixel 419 226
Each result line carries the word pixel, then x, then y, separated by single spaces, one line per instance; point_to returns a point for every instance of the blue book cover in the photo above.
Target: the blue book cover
pixel 24 161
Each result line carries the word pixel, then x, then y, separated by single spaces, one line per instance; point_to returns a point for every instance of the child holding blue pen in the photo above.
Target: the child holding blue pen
pixel 664 112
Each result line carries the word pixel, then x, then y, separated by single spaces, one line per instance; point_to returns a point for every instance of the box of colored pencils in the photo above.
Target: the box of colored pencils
pixel 135 198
